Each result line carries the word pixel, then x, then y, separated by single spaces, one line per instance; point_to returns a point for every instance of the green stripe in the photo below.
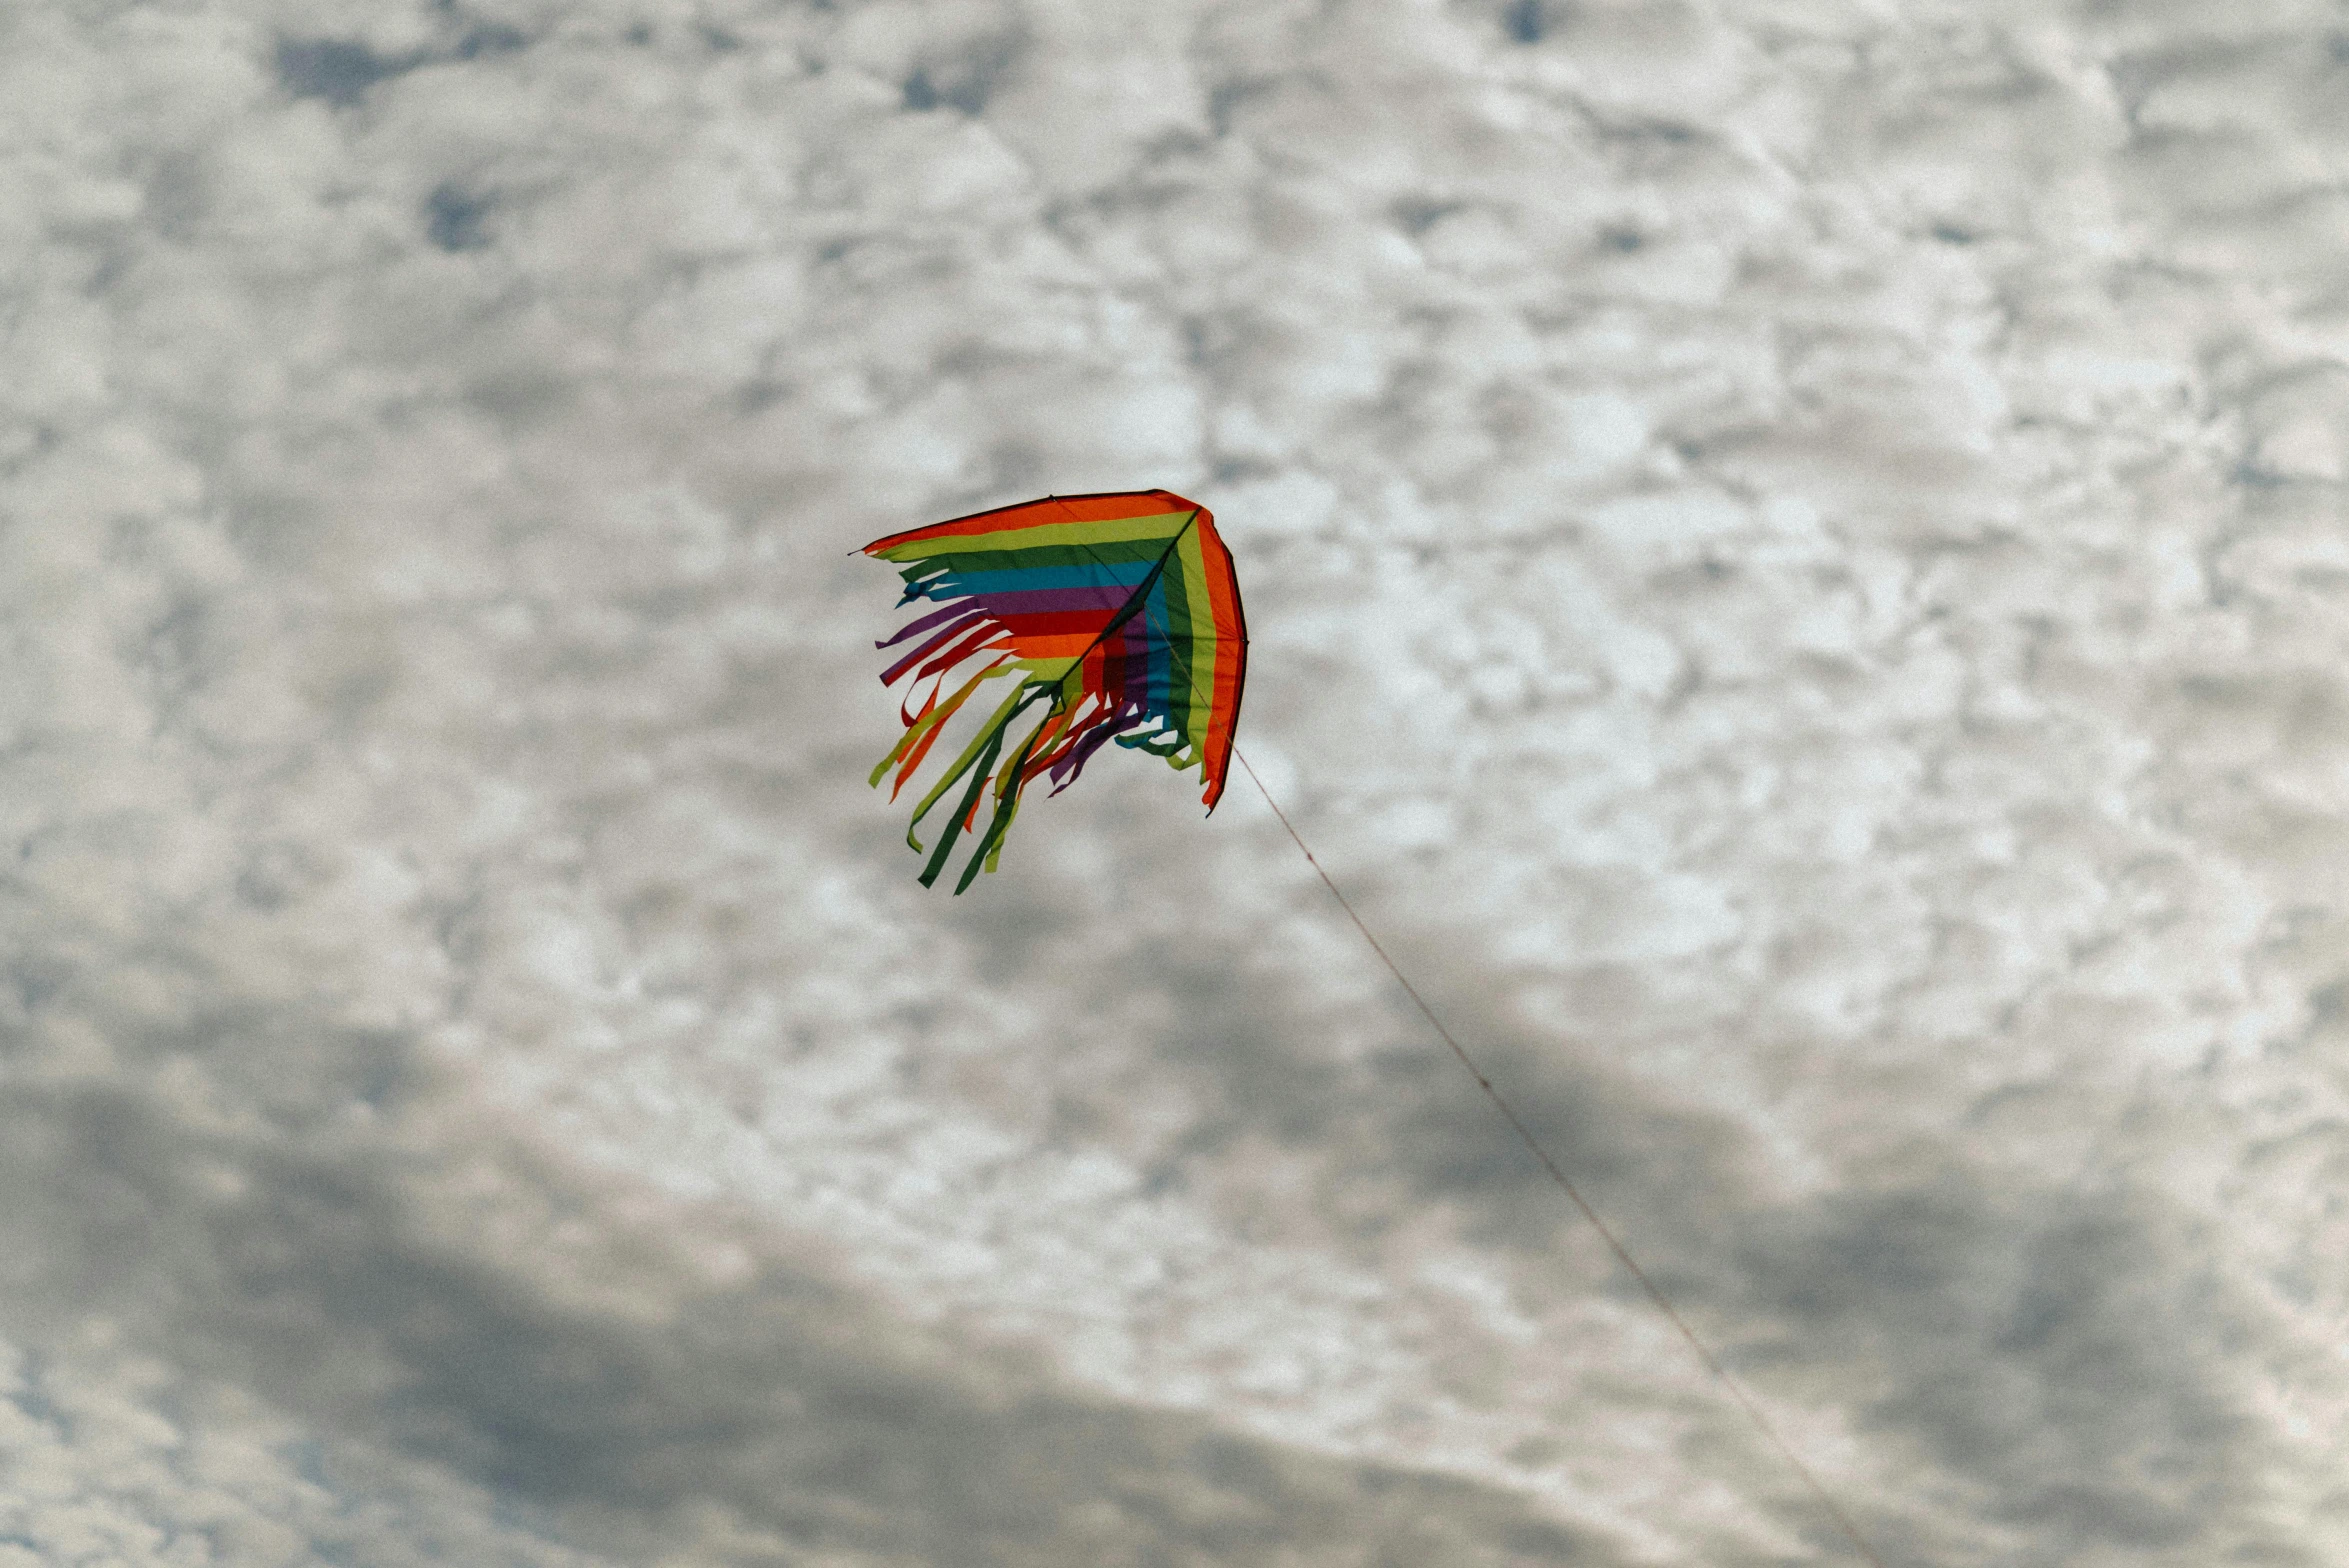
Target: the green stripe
pixel 1039 555
pixel 1202 635
pixel 1178 634
pixel 1159 526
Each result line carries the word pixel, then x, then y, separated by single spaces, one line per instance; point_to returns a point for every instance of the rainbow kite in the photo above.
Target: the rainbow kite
pixel 1118 612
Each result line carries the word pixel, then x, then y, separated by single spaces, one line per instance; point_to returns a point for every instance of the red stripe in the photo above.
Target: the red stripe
pixel 1052 623
pixel 978 639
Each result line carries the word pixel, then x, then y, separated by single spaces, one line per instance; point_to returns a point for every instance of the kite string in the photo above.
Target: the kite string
pixel 1712 1362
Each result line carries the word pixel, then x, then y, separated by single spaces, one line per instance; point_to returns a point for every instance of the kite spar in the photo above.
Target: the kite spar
pixel 1119 613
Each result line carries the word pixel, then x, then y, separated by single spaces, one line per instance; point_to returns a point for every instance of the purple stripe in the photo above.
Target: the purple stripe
pixel 925 622
pixel 1035 601
pixel 1064 772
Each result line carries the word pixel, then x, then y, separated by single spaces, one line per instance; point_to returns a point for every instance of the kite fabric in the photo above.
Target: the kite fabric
pixel 1120 613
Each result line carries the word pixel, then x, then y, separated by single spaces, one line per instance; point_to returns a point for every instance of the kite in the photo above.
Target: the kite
pixel 1118 613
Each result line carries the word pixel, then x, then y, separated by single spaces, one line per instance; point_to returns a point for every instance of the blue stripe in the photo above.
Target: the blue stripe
pixel 954 584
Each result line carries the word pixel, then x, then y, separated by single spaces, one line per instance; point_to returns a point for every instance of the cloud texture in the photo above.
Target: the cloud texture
pixel 1795 562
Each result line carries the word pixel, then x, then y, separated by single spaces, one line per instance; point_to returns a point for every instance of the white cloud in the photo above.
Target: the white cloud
pixel 1791 558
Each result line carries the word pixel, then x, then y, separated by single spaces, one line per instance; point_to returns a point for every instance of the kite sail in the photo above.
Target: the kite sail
pixel 1119 614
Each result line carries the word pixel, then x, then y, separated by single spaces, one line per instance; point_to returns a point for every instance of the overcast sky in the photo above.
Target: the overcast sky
pixel 1797 563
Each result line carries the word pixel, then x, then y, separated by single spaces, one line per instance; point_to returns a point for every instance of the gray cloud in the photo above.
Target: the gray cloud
pixel 2060 1355
pixel 338 1276
pixel 2061 1352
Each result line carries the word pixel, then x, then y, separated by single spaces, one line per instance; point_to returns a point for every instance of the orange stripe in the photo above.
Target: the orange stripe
pixel 1064 646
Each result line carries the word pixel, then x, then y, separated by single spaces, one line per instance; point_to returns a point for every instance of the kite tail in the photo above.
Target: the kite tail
pixel 977 762
pixel 923 729
pixel 1008 785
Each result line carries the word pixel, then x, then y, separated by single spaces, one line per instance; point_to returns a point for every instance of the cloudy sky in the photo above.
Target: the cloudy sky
pixel 1797 565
